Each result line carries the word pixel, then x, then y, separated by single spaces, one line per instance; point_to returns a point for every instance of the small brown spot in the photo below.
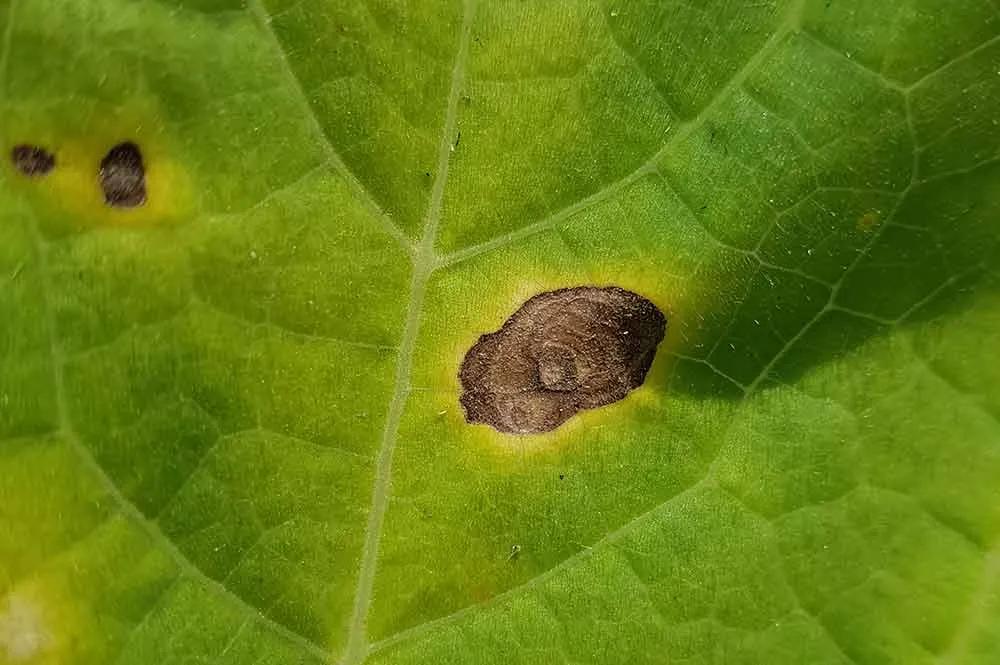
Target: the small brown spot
pixel 32 160
pixel 560 353
pixel 123 176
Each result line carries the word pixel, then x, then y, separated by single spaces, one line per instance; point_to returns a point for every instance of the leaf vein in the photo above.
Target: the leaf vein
pixel 584 553
pixel 360 192
pixel 685 129
pixel 129 510
pixel 977 611
pixel 968 54
pixel 424 262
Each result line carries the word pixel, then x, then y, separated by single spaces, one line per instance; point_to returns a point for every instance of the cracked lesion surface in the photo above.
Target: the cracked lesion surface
pixel 562 352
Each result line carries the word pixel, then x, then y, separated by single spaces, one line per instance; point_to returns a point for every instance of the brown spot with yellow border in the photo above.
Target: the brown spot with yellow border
pixel 32 160
pixel 71 197
pixel 562 352
pixel 123 176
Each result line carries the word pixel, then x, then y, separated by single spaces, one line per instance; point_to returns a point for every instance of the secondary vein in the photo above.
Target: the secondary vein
pixel 788 25
pixel 127 508
pixel 360 192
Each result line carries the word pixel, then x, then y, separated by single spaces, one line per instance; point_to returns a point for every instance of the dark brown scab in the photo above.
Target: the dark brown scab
pixel 123 176
pixel 560 353
pixel 32 160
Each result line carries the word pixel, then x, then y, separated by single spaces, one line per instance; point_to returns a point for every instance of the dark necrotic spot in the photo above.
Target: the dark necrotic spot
pixel 123 176
pixel 561 352
pixel 32 160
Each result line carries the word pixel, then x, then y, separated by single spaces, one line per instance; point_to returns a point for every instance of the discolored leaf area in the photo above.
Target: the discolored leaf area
pixel 231 417
pixel 32 160
pixel 123 176
pixel 561 352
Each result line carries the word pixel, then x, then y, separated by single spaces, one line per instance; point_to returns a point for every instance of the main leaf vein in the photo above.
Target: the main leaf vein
pixel 424 262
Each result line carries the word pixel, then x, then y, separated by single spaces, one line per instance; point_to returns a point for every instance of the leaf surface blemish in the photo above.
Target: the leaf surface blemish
pixel 250 253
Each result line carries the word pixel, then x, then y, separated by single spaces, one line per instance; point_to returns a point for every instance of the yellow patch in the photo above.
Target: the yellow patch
pixel 39 627
pixel 24 631
pixel 80 135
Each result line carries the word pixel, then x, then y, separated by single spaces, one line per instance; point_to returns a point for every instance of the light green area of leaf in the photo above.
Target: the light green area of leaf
pixel 229 419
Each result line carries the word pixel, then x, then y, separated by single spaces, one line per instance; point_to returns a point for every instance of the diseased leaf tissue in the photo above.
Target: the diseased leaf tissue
pixel 562 351
pixel 32 160
pixel 499 332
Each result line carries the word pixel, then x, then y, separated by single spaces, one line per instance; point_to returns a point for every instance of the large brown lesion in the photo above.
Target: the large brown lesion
pixel 562 352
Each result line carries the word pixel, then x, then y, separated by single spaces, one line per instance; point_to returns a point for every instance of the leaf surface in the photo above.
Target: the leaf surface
pixel 229 419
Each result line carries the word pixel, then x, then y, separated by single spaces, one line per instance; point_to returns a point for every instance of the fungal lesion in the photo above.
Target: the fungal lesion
pixel 32 160
pixel 560 353
pixel 121 173
pixel 122 176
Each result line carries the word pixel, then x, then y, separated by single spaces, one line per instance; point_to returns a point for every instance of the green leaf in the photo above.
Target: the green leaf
pixel 230 428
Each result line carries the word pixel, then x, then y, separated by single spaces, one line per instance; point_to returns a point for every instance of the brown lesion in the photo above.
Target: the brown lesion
pixel 122 176
pixel 562 352
pixel 32 160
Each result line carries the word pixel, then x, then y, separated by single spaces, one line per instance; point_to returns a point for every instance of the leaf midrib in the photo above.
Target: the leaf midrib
pixel 424 264
pixel 425 261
